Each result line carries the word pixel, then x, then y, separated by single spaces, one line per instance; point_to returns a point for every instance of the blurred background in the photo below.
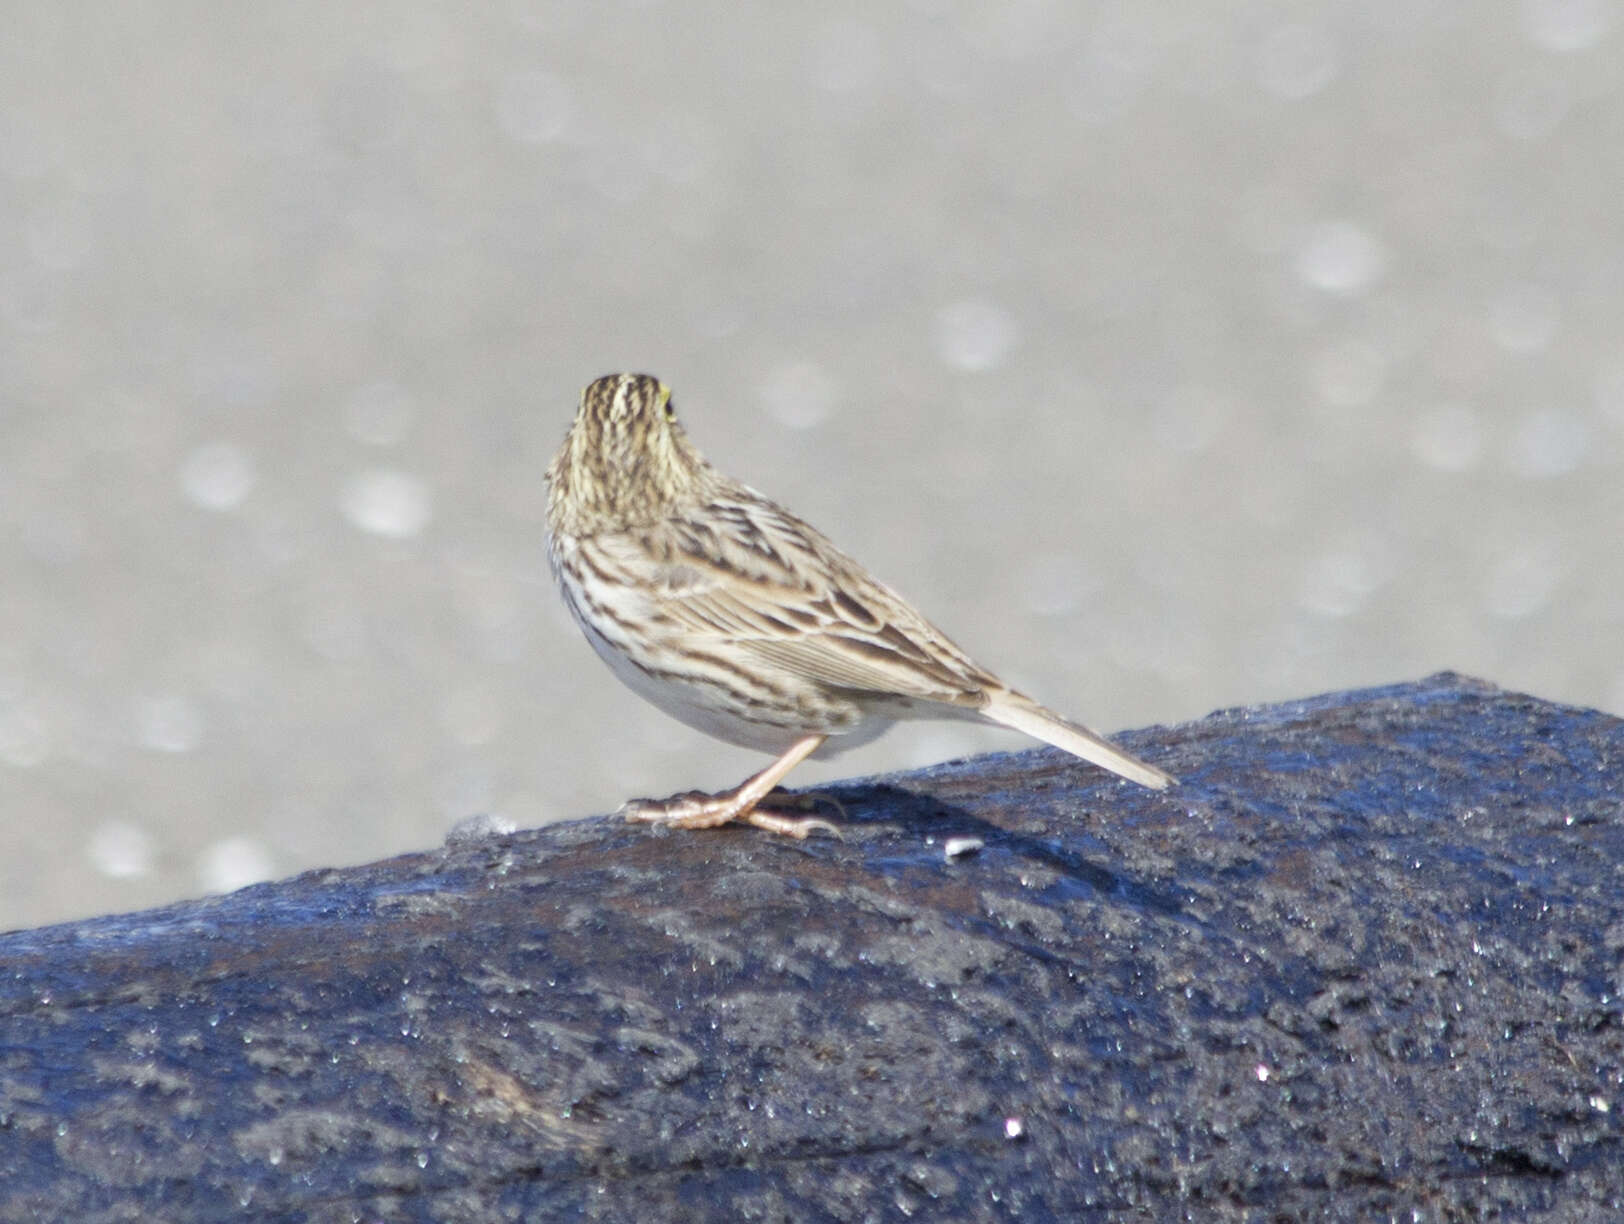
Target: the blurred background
pixel 1169 355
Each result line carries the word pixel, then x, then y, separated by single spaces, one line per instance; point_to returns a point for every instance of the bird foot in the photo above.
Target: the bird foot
pixel 697 810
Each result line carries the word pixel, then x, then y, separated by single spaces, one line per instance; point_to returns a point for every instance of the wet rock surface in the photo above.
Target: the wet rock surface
pixel 1366 960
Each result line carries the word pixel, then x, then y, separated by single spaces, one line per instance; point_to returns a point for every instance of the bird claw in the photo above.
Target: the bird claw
pixel 690 810
pixel 792 827
pixel 697 810
pixel 798 829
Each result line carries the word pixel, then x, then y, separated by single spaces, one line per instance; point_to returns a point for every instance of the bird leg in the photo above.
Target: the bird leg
pixel 695 810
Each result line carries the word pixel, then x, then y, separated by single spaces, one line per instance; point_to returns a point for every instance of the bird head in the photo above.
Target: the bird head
pixel 626 460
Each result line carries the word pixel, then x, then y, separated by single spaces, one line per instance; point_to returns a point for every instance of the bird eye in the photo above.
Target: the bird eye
pixel 667 408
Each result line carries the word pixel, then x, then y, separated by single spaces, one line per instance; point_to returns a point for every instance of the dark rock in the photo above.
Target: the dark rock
pixel 1366 962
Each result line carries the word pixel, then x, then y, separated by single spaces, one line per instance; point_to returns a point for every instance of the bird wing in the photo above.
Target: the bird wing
pixel 745 571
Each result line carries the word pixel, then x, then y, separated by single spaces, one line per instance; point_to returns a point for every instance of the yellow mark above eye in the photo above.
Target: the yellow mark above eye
pixel 664 398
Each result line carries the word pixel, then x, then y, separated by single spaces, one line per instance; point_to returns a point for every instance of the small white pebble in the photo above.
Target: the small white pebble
pixel 1262 1072
pixel 954 847
pixel 1014 1128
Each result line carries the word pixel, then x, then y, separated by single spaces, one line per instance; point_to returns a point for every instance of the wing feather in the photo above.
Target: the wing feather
pixel 774 587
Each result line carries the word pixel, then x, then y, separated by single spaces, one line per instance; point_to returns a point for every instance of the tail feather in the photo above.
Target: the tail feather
pixel 1017 712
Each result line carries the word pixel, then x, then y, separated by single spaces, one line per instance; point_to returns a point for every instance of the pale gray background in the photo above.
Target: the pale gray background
pixel 1169 355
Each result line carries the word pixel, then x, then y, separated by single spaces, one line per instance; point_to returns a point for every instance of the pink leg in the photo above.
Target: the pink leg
pixel 697 811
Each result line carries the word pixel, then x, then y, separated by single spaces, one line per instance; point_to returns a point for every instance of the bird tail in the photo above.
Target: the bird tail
pixel 1013 710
